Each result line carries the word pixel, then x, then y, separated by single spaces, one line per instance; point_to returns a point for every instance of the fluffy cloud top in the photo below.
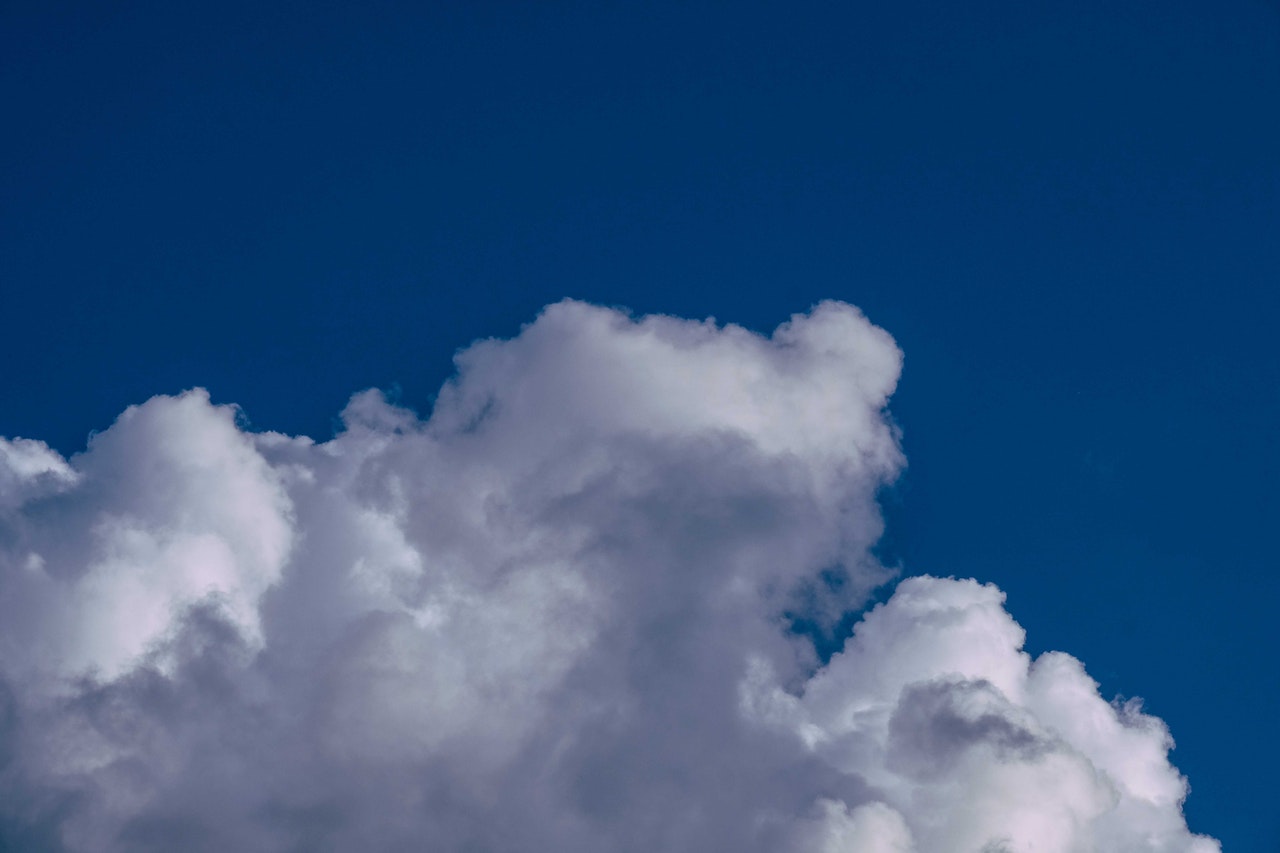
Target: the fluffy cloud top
pixel 555 615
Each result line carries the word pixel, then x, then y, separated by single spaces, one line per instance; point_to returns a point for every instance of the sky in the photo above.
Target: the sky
pixel 1062 216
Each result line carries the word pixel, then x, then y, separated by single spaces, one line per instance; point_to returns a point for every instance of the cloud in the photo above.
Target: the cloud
pixel 555 615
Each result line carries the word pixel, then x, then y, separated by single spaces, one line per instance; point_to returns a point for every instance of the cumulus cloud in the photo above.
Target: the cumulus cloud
pixel 557 614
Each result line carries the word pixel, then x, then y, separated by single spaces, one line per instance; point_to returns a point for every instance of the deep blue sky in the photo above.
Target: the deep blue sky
pixel 1068 214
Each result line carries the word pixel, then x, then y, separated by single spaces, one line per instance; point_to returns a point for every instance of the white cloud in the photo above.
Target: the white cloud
pixel 28 468
pixel 870 828
pixel 552 616
pixel 170 507
pixel 934 703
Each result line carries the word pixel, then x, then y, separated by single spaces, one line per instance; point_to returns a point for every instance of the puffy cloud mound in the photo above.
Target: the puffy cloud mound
pixel 558 614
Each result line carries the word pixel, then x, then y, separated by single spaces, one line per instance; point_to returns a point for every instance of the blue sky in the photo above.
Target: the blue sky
pixel 1065 214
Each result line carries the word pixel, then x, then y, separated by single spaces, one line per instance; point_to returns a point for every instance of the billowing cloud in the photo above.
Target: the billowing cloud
pixel 558 614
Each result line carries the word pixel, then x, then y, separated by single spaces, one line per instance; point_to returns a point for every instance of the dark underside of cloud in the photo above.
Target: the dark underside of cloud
pixel 555 615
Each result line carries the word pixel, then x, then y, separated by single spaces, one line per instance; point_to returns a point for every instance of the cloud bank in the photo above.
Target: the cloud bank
pixel 556 615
